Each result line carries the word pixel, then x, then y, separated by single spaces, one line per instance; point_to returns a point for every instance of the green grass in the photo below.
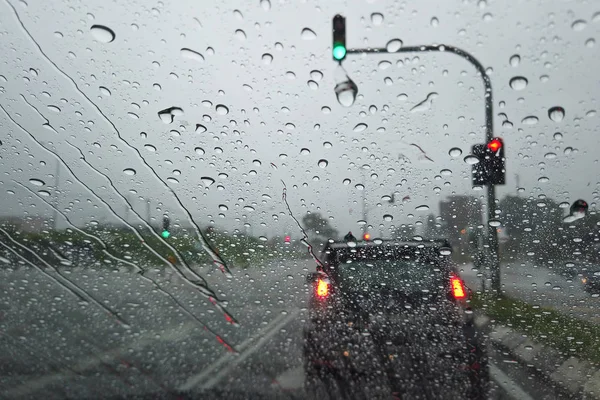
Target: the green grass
pixel 571 336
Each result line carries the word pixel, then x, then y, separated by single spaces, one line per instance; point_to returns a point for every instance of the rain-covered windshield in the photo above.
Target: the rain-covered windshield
pixel 171 171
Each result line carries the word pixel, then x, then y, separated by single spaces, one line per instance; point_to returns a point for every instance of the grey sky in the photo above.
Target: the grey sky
pixel 244 148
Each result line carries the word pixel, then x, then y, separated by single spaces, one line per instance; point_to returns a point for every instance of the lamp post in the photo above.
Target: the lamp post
pixel 339 40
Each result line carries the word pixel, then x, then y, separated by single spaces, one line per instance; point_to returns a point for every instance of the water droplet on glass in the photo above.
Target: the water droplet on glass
pixel 471 160
pixel 494 222
pixel 207 181
pixel 550 155
pixel 323 163
pixel 423 207
pixel 265 4
pixel 240 34
pixel 199 151
pixel 556 114
pixel 200 128
pixel 191 54
pixel 267 58
pixel 568 150
pixel 312 84
pixel 222 110
pixel 446 172
pixel 346 92
pixel 44 193
pixel 384 64
pixel 434 22
pixel 425 104
pixel 558 136
pixel 316 75
pixel 359 186
pixel 393 45
pixel 530 120
pixel 591 42
pixel 377 241
pixel 360 127
pixel 327 145
pixel 223 207
pixel 515 60
pixel 308 34
pixel 388 217
pixel 104 91
pixel 445 251
pixel 129 171
pixel 377 19
pixel 304 151
pixel 172 180
pixel 168 114
pixel 346 181
pixel 455 152
pixel 102 33
pixel 150 148
pixel 579 25
pixel 290 75
pixel 54 108
pixel 37 182
pixel 543 179
pixel 564 204
pixel 518 83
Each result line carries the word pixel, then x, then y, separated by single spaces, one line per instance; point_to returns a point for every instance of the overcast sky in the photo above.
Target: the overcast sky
pixel 247 83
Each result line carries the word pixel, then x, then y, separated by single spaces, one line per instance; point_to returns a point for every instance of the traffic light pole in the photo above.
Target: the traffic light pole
pixel 489 135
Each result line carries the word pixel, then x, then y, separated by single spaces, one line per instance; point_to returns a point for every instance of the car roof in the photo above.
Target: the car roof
pixel 427 243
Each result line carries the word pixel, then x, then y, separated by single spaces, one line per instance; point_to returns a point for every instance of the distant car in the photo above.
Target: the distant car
pixel 591 280
pixel 391 315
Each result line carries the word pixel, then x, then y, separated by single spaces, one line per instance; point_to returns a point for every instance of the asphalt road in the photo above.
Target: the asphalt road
pixel 53 345
pixel 539 284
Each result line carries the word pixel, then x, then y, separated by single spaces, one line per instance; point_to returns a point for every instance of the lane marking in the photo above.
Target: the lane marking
pixel 259 343
pixel 196 379
pixel 505 382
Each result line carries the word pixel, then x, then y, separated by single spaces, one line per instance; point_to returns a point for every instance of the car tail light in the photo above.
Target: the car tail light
pixel 322 288
pixel 458 288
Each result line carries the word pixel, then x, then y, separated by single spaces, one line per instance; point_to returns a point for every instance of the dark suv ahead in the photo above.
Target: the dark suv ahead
pixel 390 319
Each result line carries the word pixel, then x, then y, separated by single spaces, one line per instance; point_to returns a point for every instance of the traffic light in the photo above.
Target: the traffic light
pixel 366 237
pixel 288 239
pixel 165 232
pixel 339 38
pixel 491 168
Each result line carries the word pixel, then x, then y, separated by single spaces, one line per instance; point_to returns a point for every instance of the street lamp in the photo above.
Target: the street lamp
pixel 339 32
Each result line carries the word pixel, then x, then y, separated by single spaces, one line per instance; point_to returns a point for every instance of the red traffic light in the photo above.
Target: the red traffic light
pixel 495 145
pixel 366 236
pixel 288 239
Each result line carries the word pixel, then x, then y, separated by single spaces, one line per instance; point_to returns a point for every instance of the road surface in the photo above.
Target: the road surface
pixel 55 346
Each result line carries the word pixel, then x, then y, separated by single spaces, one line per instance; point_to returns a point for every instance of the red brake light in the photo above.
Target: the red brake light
pixel 494 145
pixel 458 289
pixel 322 288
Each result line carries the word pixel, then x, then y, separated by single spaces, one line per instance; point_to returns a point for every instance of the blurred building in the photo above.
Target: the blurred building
pixel 31 224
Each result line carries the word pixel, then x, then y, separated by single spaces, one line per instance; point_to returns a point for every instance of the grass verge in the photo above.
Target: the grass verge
pixel 569 335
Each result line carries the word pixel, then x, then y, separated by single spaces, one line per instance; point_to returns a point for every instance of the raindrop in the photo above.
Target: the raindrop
pixel 313 85
pixel 568 150
pixel 550 155
pixel 515 60
pixel 359 186
pixel 590 42
pixel 290 75
pixel 248 208
pixel 445 251
pixel 37 182
pixel 168 114
pixel 446 172
pixel 402 97
pixel 102 33
pixel 564 204
pixel 558 136
pixel 304 151
pixel 222 110
pixel 265 4
pixel 455 152
pixel 200 128
pixel 207 181
pixel 223 207
pixel 240 34
pixel 346 92
pixel 346 181
pixel 191 54
pixel 423 207
pixel 316 75
pixel 327 145
pixel 518 83
pixel 377 19
pixel 471 160
pixel 434 22
pixel 267 58
pixel 360 127
pixel 150 147
pixel 377 241
pixel 494 222
pixel 530 120
pixel 308 34
pixel 172 180
pixel 543 179
pixel 129 171
pixel 104 91
pixel 425 104
pixel 384 64
pixel 199 151
pixel 323 163
pixel 393 45
pixel 388 217
pixel 44 193
pixel 579 25
pixel 556 114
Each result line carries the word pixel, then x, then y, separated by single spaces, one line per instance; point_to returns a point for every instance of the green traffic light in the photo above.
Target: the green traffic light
pixel 339 52
pixel 165 234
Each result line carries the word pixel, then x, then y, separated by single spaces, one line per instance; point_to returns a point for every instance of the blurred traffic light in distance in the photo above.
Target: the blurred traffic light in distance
pixel 288 238
pixel 339 38
pixel 166 223
pixel 366 236
pixel 491 166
